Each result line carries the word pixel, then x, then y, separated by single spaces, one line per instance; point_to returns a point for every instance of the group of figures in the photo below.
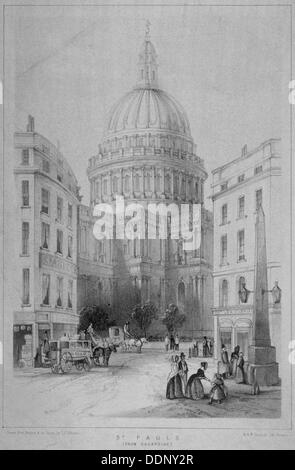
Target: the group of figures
pixel 206 347
pixel 235 366
pixel 179 386
pixel 172 342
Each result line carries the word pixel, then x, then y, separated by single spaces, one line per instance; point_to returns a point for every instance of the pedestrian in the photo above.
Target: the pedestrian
pixel 166 342
pixel 218 391
pixel 234 360
pixel 174 383
pixel 205 347
pixel 172 342
pixel 224 365
pixel 194 388
pixel 240 375
pixel 176 342
pixel 183 371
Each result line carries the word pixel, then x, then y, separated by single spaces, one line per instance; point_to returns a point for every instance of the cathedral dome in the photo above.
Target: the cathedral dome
pixel 147 107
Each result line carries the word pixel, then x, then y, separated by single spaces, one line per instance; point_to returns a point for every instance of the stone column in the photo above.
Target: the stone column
pixel 132 182
pixel 121 182
pixel 110 192
pixel 263 367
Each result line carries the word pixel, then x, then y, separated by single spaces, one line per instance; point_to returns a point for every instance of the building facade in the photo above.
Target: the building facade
pixel 238 187
pixel 147 155
pixel 48 200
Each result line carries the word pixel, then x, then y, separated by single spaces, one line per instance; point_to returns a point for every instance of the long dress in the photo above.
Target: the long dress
pixel 240 375
pixel 194 388
pixel 183 371
pixel 218 391
pixel 233 364
pixel 174 385
pixel 224 366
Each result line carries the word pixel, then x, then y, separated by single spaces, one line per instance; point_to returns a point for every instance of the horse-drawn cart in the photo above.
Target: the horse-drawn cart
pixel 64 354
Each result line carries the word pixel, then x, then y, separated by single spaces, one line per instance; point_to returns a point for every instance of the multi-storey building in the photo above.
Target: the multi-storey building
pixel 148 156
pixel 47 205
pixel 238 188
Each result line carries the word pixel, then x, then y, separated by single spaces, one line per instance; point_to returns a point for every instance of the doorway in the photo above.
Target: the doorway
pixel 243 342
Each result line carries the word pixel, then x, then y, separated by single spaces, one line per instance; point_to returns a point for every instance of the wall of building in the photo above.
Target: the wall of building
pixel 237 316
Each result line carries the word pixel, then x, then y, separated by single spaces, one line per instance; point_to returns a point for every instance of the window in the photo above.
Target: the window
pixel 105 186
pixel 25 238
pixel 45 235
pixel 45 201
pixel 224 214
pixel 59 241
pixel 26 286
pixel 258 170
pixel 70 246
pixel 241 178
pixel 70 294
pixel 223 186
pixel 258 196
pixel 241 245
pixel 136 182
pixel 25 156
pixel 45 289
pixel 70 215
pixel 25 193
pixel 197 190
pixel 241 207
pixel 59 208
pixel 224 293
pixel 223 248
pixel 45 165
pixel 115 184
pixel 59 291
pixel 83 239
pixel 97 188
pixel 127 183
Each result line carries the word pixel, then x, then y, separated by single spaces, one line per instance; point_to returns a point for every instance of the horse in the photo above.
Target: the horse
pixel 100 348
pixel 132 343
pixel 104 353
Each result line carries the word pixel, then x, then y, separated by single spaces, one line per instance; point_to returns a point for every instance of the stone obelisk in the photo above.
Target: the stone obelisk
pixel 263 367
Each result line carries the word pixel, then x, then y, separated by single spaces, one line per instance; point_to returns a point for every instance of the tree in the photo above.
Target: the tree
pixel 95 315
pixel 173 319
pixel 143 315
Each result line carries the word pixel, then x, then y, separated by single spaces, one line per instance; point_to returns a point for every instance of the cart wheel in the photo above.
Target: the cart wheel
pixel 79 365
pixel 86 365
pixel 66 362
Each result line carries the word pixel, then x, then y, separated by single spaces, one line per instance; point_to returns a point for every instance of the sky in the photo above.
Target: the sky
pixel 227 66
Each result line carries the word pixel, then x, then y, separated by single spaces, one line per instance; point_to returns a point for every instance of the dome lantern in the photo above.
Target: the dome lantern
pixel 147 64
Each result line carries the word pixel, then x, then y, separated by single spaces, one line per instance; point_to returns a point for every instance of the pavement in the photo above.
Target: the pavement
pixel 134 385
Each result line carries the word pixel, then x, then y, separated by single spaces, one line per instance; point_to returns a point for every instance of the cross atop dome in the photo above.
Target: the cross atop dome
pixel 147 65
pixel 147 30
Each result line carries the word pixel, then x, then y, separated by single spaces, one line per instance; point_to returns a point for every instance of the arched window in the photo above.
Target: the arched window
pixel 224 293
pixel 181 295
pixel 99 292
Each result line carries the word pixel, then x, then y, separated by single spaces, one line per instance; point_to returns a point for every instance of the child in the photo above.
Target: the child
pixel 218 391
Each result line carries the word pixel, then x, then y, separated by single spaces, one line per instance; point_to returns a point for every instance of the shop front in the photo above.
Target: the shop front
pixel 23 354
pixel 232 327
